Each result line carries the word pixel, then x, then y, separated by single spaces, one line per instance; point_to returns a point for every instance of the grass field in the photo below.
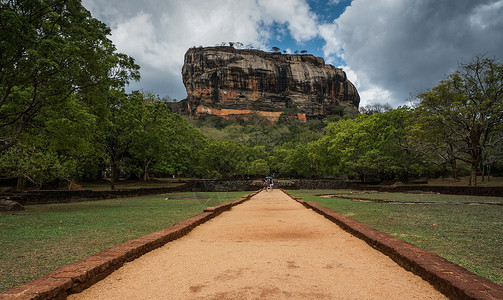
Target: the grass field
pixel 470 235
pixel 463 181
pixel 44 237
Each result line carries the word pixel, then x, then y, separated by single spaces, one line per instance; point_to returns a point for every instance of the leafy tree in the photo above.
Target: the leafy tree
pixel 59 137
pixel 438 143
pixel 259 167
pixel 275 49
pixel 375 108
pixel 470 104
pixel 376 145
pixel 118 131
pixel 53 50
pixel 219 159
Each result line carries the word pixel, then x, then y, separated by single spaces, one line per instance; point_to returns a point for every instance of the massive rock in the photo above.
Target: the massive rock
pixel 232 83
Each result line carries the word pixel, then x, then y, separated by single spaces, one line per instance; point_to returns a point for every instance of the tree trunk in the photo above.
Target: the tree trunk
pixel 113 176
pixel 473 175
pixel 483 172
pixel 454 167
pixel 146 162
pixel 20 183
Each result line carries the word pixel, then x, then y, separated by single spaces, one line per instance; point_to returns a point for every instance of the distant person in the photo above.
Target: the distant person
pixel 266 185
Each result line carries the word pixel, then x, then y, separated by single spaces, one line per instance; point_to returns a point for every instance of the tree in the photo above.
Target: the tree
pixel 117 134
pixel 275 49
pixel 370 145
pixel 437 142
pixel 470 104
pixel 215 159
pixel 303 51
pixel 259 167
pixel 53 50
pixel 375 108
pixel 59 138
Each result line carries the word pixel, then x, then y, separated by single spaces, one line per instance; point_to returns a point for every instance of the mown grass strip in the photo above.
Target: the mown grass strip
pixel 468 235
pixel 45 237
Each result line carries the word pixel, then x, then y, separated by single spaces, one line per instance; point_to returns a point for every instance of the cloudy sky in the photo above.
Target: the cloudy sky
pixel 389 48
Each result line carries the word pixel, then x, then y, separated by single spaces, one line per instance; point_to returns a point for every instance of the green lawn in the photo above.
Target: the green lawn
pixel 470 235
pixel 45 237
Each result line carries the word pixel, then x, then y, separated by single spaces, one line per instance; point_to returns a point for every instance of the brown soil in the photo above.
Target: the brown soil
pixel 269 247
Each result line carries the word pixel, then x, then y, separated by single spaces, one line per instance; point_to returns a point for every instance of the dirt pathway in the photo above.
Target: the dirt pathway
pixel 269 247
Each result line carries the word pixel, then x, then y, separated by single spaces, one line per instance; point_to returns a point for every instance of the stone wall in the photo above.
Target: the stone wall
pixel 64 196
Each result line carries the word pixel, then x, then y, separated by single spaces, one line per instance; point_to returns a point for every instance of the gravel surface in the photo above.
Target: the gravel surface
pixel 269 247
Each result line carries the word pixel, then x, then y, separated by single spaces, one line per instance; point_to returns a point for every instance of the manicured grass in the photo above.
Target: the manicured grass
pixel 463 181
pixel 470 235
pixel 45 237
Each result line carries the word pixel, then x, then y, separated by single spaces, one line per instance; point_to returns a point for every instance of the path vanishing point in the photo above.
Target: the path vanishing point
pixel 269 247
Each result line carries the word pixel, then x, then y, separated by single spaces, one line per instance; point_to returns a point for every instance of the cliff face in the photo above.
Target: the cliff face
pixel 233 83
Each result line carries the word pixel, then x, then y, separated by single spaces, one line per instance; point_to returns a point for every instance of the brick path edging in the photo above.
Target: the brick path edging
pixel 452 280
pixel 77 276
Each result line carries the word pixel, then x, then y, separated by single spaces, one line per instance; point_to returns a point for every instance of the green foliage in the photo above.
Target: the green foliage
pixel 220 159
pixel 53 50
pixel 142 135
pixel 370 145
pixel 259 167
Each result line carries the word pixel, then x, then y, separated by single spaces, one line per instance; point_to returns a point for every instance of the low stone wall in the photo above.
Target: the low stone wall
pixel 452 280
pixel 451 190
pixel 65 196
pixel 321 184
pixel 76 277
pixel 62 196
pixel 222 185
pixel 307 184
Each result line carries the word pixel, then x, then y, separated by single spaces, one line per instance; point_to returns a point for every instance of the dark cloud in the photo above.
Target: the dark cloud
pixel 403 46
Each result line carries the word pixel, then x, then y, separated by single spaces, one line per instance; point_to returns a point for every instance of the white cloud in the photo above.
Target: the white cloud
pixel 158 33
pixel 296 14
pixel 487 14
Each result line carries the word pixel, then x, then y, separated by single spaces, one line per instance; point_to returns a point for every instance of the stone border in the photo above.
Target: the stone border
pixel 77 276
pixel 452 280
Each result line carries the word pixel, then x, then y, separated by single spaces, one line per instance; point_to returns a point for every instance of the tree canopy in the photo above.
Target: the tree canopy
pixel 53 50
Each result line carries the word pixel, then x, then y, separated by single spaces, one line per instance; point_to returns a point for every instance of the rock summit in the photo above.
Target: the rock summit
pixel 234 83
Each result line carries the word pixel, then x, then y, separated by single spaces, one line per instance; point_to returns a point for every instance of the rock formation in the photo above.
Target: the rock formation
pixel 233 83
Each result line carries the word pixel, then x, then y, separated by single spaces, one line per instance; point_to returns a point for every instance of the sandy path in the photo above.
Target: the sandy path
pixel 269 247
